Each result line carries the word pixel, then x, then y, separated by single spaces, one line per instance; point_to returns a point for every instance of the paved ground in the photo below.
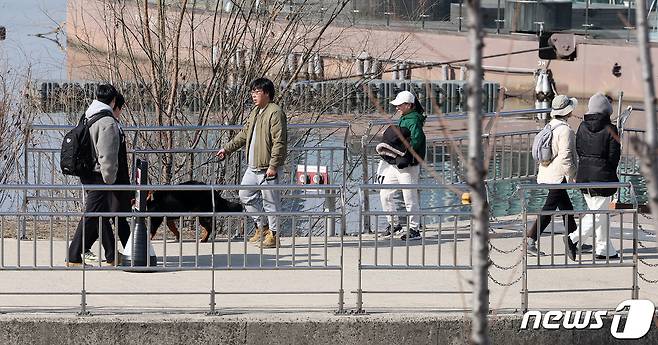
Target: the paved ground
pixel 230 277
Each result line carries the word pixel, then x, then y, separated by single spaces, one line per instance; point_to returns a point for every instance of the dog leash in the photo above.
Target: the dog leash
pixel 210 160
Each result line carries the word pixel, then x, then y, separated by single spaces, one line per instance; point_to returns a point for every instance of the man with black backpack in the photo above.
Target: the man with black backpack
pixel 99 133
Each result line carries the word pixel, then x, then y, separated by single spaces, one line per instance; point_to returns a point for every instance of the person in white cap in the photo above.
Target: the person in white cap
pixel 599 151
pixel 561 169
pixel 407 168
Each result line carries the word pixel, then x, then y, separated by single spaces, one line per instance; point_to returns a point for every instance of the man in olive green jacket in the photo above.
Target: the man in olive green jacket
pixel 265 138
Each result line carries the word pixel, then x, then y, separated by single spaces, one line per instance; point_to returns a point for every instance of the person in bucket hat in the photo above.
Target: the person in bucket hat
pixel 563 106
pixel 561 169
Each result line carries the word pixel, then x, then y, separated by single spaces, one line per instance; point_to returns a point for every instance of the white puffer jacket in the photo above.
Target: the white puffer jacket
pixel 565 159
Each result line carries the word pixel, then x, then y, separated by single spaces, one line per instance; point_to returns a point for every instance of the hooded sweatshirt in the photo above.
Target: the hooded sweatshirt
pixel 105 138
pixel 598 147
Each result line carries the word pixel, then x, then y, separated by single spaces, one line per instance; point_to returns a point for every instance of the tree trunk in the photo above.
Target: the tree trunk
pixel 475 178
pixel 648 149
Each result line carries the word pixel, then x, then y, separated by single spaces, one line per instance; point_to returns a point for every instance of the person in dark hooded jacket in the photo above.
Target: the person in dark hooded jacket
pixel 599 150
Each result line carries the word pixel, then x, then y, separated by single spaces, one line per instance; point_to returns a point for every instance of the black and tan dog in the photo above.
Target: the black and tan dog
pixel 187 201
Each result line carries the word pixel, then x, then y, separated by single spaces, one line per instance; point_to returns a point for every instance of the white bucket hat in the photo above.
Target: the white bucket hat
pixel 563 105
pixel 404 97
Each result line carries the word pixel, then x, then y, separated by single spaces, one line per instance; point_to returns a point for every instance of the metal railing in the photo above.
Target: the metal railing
pixel 310 147
pixel 558 257
pixel 302 249
pixel 629 164
pixel 443 232
pixel 443 154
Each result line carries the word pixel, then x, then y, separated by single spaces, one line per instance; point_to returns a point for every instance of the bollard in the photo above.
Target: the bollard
pixel 139 251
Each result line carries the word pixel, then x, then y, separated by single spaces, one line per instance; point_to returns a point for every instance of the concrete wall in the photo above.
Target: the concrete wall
pixel 282 329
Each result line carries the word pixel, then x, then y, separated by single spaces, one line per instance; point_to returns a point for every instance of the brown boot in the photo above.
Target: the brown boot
pixel 257 235
pixel 270 241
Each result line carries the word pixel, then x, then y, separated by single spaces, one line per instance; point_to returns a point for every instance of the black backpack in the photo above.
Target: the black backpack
pixel 77 157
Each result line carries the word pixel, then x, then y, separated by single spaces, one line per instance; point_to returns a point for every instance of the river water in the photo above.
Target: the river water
pixel 22 50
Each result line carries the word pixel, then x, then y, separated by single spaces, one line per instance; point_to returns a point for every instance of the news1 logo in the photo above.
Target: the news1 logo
pixel 638 320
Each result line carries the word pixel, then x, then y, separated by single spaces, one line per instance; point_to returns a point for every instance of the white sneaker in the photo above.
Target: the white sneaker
pixel 90 258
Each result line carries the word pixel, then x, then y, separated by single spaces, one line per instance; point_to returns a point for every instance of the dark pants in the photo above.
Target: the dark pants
pixel 556 199
pixel 120 202
pixel 96 201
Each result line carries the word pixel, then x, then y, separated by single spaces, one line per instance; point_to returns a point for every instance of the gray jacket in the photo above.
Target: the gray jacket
pixel 106 139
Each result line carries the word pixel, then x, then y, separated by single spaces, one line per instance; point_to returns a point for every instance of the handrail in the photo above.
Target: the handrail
pixel 527 186
pixel 463 115
pixel 459 186
pixel 208 187
pixel 340 124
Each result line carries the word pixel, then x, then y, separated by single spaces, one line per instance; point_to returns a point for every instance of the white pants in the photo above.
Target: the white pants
pixel 263 200
pixel 603 245
pixel 392 175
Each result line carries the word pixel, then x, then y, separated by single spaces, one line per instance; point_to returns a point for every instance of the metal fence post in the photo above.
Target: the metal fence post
pixel 83 302
pixel 524 289
pixel 213 311
pixel 23 224
pixel 636 287
pixel 365 223
pixel 362 216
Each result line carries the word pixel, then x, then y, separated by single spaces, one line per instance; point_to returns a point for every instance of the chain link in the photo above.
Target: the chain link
pixel 641 275
pixel 646 232
pixel 648 264
pixel 502 251
pixel 492 230
pixel 504 284
pixel 506 268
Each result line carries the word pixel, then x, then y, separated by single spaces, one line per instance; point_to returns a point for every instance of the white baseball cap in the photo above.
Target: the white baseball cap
pixel 404 97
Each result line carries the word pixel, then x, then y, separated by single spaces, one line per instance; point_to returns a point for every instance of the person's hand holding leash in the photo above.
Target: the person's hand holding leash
pixel 270 174
pixel 221 154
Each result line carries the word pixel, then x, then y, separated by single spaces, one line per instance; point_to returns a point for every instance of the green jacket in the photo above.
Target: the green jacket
pixel 414 121
pixel 271 137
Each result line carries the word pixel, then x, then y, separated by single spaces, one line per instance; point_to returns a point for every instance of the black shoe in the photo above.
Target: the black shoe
pixel 570 248
pixel 237 237
pixel 533 251
pixel 392 231
pixel 413 235
pixel 585 248
pixel 603 257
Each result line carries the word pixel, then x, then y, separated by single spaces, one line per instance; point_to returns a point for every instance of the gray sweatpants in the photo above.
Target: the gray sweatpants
pixel 262 200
